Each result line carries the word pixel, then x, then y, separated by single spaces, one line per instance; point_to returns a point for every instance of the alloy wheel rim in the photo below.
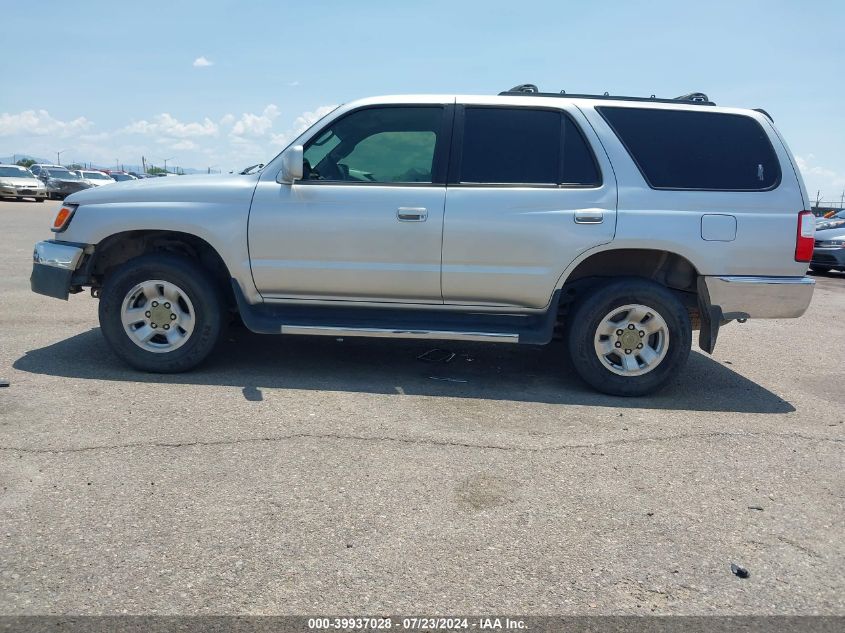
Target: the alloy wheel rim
pixel 158 316
pixel 632 340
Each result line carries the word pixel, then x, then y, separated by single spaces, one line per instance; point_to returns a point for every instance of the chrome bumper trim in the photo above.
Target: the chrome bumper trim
pixel 57 255
pixel 760 297
pixel 319 330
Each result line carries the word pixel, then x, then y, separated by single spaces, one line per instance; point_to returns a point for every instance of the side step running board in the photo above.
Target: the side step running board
pixel 322 330
pixel 263 318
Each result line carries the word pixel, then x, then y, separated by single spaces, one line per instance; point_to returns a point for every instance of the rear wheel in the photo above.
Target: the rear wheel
pixel 820 269
pixel 629 337
pixel 161 313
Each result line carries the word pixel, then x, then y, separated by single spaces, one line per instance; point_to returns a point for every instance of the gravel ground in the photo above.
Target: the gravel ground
pixel 296 475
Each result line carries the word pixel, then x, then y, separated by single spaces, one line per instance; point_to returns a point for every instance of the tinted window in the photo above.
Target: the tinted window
pixel 386 145
pixel 521 145
pixel 579 165
pixel 680 149
pixel 510 145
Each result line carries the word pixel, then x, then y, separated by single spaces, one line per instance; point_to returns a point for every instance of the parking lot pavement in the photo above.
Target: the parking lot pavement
pixel 296 475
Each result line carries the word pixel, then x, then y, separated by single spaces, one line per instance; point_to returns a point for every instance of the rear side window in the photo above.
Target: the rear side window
pixel 681 149
pixel 524 146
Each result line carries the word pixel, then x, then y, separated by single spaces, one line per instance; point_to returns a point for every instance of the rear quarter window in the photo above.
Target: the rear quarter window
pixel 682 149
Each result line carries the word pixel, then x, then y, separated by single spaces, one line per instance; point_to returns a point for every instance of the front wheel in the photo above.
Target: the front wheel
pixel 161 313
pixel 629 337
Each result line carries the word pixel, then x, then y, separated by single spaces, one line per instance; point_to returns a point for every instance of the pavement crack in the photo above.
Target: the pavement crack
pixel 415 441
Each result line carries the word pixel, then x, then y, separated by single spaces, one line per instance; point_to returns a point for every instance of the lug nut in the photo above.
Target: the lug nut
pixel 619 332
pixel 627 351
pixel 640 346
pixel 172 317
pixel 642 333
pixel 155 304
pixel 147 314
pixel 167 305
pixel 630 326
pixel 618 344
pixel 166 326
pixel 153 325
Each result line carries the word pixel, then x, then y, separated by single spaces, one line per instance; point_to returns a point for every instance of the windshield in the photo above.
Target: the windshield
pixel 62 174
pixel 95 175
pixel 121 177
pixel 15 172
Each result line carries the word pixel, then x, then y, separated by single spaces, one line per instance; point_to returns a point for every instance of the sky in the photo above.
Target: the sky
pixel 221 85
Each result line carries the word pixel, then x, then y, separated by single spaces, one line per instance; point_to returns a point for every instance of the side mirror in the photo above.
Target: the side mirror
pixel 292 166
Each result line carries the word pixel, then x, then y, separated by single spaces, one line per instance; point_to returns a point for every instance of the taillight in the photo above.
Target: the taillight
pixel 806 236
pixel 63 218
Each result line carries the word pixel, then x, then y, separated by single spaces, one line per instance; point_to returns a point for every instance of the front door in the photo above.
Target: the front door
pixel 365 223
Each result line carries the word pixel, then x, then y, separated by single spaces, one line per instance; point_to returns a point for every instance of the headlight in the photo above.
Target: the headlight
pixel 831 244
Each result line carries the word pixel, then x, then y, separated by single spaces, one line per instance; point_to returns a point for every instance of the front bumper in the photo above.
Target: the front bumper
pixel 831 257
pixel 23 192
pixel 53 265
pixel 760 297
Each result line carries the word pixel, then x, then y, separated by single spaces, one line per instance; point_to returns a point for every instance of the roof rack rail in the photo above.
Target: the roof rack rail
pixel 697 98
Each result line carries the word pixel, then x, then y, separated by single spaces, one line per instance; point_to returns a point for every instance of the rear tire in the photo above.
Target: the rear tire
pixel 820 269
pixel 172 290
pixel 653 346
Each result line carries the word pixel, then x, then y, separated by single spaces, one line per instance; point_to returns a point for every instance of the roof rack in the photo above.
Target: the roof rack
pixel 697 98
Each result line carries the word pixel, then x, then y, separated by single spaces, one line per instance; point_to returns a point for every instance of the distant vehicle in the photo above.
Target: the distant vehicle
pixel 37 168
pixel 121 176
pixel 18 182
pixel 95 178
pixel 829 250
pixel 835 221
pixel 61 182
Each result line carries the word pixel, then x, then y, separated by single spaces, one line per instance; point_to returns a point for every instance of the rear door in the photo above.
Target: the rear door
pixel 526 195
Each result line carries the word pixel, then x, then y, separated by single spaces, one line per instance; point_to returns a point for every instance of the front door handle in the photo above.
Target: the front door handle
pixel 589 216
pixel 412 214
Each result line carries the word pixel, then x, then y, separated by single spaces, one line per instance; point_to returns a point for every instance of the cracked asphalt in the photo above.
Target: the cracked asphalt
pixel 313 476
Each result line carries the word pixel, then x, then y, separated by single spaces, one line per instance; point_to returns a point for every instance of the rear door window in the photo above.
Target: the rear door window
pixel 524 146
pixel 683 149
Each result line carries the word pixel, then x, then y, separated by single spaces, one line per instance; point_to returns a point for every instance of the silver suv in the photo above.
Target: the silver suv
pixel 620 223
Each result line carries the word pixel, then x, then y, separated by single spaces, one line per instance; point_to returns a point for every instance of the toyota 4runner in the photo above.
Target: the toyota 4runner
pixel 618 223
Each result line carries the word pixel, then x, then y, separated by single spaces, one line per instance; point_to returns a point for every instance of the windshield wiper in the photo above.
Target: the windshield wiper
pixel 249 170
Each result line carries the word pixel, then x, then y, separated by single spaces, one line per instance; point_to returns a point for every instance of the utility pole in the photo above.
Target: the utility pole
pixel 165 163
pixel 818 197
pixel 59 157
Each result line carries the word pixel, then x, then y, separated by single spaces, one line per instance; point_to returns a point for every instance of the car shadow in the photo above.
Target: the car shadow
pixel 520 373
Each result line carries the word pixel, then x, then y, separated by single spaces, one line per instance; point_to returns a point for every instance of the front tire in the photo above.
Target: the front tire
pixel 629 337
pixel 161 313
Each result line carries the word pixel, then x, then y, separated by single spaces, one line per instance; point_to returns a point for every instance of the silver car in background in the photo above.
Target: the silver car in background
pixel 18 182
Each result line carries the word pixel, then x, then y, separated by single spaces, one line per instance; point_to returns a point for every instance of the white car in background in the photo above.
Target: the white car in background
pixel 19 183
pixel 95 178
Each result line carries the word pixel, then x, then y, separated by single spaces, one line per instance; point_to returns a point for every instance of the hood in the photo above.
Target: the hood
pixel 22 182
pixel 831 234
pixel 201 188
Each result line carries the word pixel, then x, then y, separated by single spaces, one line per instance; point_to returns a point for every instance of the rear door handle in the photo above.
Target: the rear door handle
pixel 412 214
pixel 589 216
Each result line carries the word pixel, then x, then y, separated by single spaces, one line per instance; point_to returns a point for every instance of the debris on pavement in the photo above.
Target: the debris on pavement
pixel 4 382
pixel 760 508
pixel 739 571
pixel 437 355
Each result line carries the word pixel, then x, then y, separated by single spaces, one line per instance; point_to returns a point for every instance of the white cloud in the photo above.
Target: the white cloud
pixel 827 183
pixel 300 124
pixel 167 126
pixel 293 84
pixel 255 125
pixel 40 123
pixel 202 62
pixel 184 145
pixel 227 119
